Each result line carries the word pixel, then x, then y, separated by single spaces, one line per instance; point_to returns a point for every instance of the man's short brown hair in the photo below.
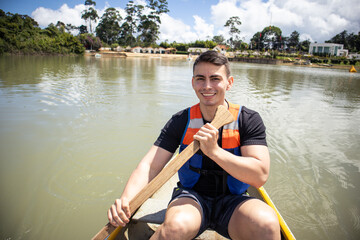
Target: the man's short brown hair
pixel 213 57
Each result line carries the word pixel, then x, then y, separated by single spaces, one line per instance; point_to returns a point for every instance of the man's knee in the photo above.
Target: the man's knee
pixel 269 223
pixel 179 225
pixel 182 219
pixel 258 221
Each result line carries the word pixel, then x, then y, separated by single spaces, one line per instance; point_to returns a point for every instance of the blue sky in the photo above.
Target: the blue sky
pixel 189 20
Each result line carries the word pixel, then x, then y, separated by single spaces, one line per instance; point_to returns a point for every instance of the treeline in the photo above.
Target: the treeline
pixel 22 34
pixel 351 41
pixel 140 26
pixel 271 38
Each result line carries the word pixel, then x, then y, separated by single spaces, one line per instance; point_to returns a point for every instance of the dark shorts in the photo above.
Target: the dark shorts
pixel 216 211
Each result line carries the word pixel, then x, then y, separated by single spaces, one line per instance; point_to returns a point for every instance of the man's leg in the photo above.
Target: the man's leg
pixel 254 219
pixel 182 220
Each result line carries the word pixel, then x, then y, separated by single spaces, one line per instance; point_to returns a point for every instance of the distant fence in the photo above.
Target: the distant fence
pixel 256 60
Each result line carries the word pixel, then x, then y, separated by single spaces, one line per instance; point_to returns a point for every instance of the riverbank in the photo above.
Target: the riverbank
pixel 131 54
pixel 185 57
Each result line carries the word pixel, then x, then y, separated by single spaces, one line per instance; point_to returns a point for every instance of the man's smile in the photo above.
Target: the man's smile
pixel 208 94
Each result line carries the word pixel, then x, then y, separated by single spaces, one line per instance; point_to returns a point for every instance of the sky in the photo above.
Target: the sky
pixel 191 20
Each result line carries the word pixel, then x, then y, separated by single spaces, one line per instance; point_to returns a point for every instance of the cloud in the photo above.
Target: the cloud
pixel 203 29
pixel 45 16
pixel 175 30
pixel 317 20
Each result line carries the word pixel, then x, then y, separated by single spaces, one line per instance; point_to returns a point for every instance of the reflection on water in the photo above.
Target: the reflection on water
pixel 73 129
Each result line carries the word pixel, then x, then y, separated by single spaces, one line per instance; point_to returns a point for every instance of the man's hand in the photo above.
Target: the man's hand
pixel 208 136
pixel 119 213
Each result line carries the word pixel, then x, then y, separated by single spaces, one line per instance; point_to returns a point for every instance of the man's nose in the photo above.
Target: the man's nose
pixel 207 84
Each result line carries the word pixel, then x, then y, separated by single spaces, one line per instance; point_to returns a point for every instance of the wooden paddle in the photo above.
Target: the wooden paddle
pixel 109 232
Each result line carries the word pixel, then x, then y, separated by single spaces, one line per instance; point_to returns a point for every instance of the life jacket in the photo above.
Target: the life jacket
pixel 230 142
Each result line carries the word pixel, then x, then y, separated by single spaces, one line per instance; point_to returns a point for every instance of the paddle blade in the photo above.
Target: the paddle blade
pixel 222 117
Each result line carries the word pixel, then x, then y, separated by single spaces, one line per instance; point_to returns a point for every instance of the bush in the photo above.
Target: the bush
pixel 182 52
pixel 90 41
pixel 335 61
pixel 114 46
pixel 352 62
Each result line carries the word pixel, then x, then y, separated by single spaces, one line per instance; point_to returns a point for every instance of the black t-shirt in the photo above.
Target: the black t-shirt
pixel 251 130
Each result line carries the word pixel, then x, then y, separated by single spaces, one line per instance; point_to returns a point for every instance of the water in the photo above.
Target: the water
pixel 73 128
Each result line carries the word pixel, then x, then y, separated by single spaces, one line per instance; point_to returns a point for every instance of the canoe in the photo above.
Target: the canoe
pixel 152 213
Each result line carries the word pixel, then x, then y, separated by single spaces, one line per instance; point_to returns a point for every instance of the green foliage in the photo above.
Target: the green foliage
pixel 304 45
pixel 109 28
pixel 270 37
pixel 293 41
pixel 90 14
pixel 233 23
pixel 203 44
pixel 183 47
pixel 90 42
pixel 149 25
pixel 351 41
pixel 219 39
pixel 129 28
pixel 21 34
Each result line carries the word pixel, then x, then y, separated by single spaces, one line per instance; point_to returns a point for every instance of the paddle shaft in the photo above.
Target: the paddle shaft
pixel 221 118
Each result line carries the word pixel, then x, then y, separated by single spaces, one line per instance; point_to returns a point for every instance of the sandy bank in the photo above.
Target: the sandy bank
pixel 130 54
pixel 180 56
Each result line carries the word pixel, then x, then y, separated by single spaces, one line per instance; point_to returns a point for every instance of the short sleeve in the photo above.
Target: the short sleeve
pixel 252 128
pixel 171 134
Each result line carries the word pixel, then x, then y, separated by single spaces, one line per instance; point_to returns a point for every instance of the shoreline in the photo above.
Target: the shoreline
pixel 183 56
pixel 131 54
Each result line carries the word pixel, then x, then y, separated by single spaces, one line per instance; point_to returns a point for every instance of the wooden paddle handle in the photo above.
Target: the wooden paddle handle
pixel 222 117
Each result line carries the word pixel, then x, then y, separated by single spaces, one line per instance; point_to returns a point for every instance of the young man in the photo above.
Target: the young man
pixel 212 188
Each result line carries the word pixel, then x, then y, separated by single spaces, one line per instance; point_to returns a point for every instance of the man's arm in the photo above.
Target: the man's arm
pixel 252 167
pixel 152 163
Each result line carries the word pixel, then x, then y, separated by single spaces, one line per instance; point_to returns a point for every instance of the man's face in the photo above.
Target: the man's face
pixel 210 83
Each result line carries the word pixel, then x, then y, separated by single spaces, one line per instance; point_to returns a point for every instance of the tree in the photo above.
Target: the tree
pixel 293 40
pixel 150 24
pixel 82 29
pixel 90 14
pixel 219 39
pixel 351 41
pixel 271 37
pixel 109 28
pixel 354 42
pixel 233 23
pixel 128 28
pixel 61 26
pixel 89 41
pixel 22 34
pixel 304 45
pixel 256 42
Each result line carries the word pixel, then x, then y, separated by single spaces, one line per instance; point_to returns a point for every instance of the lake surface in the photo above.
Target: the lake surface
pixel 73 128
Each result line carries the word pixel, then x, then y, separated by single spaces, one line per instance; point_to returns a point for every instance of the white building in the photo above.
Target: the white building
pixel 197 50
pixel 137 49
pixel 148 50
pixel 354 56
pixel 159 50
pixel 332 49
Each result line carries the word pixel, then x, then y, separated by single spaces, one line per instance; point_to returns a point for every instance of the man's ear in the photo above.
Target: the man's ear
pixel 230 82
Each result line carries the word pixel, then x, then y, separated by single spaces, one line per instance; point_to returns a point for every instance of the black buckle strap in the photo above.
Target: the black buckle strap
pixel 215 173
